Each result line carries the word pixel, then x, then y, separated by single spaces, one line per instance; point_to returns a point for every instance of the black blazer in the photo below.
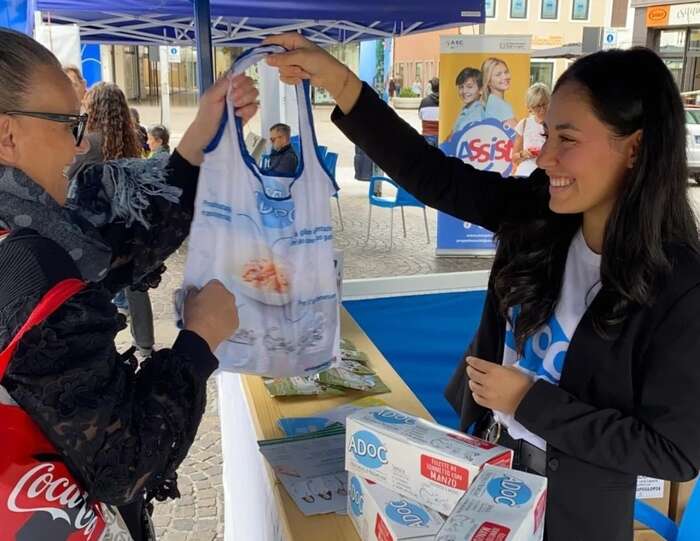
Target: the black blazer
pixel 625 406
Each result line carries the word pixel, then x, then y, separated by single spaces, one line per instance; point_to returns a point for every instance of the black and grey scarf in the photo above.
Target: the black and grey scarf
pixel 104 193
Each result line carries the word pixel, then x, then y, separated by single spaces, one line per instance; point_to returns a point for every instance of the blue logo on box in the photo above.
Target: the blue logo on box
pixel 357 500
pixel 368 449
pixel 393 417
pixel 509 491
pixel 407 514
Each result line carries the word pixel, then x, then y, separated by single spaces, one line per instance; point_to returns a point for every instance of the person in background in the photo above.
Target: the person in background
pixel 77 80
pixel 417 87
pixel 497 79
pixel 429 112
pixel 112 135
pixel 283 159
pixel 159 141
pixel 392 87
pixel 585 362
pixel 469 87
pixel 530 131
pixel 141 132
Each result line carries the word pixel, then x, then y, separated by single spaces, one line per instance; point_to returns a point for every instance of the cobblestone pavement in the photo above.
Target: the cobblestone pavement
pixel 199 514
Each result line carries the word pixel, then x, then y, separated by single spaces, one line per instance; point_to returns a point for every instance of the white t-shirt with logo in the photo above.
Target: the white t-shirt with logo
pixel 545 352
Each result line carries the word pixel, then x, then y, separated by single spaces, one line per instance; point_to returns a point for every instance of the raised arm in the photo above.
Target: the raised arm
pixel 447 184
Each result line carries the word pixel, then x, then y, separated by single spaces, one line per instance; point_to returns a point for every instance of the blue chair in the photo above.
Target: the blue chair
pixel 331 161
pixel 401 200
pixel 264 162
pixel 296 144
pixel 689 528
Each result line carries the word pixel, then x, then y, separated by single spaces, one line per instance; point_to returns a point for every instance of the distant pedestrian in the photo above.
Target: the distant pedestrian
pixel 141 132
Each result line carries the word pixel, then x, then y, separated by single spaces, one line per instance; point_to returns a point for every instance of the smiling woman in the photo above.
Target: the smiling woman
pixel 69 403
pixel 587 349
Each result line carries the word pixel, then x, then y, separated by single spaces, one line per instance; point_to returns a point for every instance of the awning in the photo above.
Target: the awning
pixel 569 50
pixel 246 22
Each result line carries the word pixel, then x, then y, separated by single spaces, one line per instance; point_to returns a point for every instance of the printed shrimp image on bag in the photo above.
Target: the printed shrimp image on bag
pixel 269 240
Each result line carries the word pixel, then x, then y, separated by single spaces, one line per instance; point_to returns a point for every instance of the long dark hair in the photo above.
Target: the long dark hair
pixel 109 115
pixel 628 90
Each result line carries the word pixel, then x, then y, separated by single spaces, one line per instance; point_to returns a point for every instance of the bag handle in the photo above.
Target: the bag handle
pixel 48 304
pixel 307 141
pixel 253 56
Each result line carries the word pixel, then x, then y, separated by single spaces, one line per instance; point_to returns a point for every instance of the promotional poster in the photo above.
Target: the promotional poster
pixel 483 87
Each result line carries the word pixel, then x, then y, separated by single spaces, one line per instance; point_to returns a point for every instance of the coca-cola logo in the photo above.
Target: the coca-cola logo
pixel 45 488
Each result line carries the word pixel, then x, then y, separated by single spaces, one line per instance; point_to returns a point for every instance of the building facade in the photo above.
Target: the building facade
pixel 417 58
pixel 553 24
pixel 136 69
pixel 672 29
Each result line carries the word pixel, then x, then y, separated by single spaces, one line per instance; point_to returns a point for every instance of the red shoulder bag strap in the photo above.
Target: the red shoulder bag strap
pixel 48 304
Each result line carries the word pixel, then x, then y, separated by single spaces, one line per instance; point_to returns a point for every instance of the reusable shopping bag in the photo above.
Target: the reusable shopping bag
pixel 269 240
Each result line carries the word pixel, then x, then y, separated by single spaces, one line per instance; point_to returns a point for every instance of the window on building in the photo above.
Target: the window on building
pixel 542 72
pixel 694 41
pixel 672 42
pixel 676 68
pixel 490 8
pixel 550 9
pixel 580 9
pixel 518 9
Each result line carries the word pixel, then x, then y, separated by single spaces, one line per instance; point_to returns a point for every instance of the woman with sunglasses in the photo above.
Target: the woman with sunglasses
pixel 109 436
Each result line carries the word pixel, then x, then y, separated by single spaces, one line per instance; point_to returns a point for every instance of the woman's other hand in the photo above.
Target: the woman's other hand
pixel 211 108
pixel 211 313
pixel 499 388
pixel 306 60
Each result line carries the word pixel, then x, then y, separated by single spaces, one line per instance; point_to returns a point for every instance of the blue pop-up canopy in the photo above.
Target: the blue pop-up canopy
pixel 246 22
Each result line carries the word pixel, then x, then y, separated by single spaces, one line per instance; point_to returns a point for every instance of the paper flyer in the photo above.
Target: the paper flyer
pixel 311 467
pixel 293 426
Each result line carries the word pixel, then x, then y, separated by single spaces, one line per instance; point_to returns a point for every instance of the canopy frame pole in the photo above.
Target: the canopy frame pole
pixel 205 64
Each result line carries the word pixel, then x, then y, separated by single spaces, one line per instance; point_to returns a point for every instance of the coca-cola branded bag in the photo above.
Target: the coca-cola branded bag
pixel 39 499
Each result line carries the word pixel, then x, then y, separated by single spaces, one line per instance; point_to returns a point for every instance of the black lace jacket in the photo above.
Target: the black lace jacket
pixel 121 431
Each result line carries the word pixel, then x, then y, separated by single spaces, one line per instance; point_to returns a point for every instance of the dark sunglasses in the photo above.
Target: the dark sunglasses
pixel 78 121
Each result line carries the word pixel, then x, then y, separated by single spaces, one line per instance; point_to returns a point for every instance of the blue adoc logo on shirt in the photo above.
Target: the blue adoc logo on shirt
pixel 544 352
pixel 509 491
pixel 407 514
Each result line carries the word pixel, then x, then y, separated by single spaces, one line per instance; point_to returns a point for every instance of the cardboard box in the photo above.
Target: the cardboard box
pixel 647 535
pixel 422 460
pixel 503 505
pixel 380 514
pixel 680 494
pixel 654 492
